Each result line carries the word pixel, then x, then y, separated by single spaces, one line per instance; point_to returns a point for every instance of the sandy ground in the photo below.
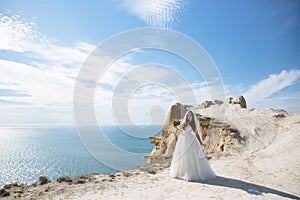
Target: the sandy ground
pixel 269 169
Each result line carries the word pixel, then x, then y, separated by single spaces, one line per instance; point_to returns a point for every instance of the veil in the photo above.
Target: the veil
pixel 196 123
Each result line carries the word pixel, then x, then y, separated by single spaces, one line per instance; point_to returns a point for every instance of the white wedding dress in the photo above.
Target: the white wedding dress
pixel 189 161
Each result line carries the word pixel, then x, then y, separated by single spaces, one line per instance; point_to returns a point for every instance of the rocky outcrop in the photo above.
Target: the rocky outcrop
pixel 237 100
pixel 240 100
pixel 206 104
pixel 177 111
pixel 164 147
pixel 218 137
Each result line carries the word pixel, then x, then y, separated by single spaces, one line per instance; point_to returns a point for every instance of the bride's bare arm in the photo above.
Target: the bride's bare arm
pixel 198 137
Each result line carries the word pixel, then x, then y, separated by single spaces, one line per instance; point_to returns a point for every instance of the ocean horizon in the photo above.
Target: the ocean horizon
pixel 28 152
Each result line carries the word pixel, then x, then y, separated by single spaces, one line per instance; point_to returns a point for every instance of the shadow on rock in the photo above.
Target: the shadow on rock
pixel 246 186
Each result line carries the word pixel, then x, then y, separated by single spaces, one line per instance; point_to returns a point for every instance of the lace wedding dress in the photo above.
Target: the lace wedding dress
pixel 189 161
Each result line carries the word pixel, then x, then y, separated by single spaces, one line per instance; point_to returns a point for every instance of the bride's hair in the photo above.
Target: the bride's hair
pixel 191 123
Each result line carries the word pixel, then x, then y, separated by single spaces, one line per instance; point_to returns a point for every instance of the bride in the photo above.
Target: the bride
pixel 189 162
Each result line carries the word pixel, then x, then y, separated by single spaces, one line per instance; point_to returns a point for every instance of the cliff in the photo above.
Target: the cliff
pixel 220 138
pixel 255 154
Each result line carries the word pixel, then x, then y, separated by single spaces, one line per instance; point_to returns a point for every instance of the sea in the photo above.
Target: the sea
pixel 28 152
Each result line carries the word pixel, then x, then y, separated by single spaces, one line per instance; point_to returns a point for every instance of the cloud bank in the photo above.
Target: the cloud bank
pixel 266 88
pixel 40 69
pixel 38 75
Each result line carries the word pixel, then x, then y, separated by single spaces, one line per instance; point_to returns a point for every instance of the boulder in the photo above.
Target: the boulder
pixel 218 102
pixel 241 101
pixel 237 100
pixel 206 104
pixel 43 180
pixel 4 193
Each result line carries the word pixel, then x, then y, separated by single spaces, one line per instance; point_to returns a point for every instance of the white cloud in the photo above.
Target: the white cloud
pixel 156 13
pixel 46 75
pixel 268 87
pixel 42 87
pixel 22 37
pixel 16 35
pixel 288 102
pixel 48 79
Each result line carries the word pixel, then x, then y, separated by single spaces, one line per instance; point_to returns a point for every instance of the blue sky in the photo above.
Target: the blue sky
pixel 255 45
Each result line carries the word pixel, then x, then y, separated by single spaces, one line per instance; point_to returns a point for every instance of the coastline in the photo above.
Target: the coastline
pixel 266 166
pixel 232 182
pixel 30 152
